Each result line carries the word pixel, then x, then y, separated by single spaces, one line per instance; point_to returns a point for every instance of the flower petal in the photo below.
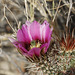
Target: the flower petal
pixel 46 23
pixel 20 36
pixel 35 31
pixel 18 45
pixel 28 23
pixel 34 51
pixel 26 32
pixel 14 42
pixel 46 32
pixel 22 48
pixel 46 46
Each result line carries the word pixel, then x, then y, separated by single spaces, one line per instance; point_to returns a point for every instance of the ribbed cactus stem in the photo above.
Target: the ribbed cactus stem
pixel 66 60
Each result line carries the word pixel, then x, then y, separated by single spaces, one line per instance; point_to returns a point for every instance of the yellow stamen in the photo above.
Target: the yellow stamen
pixel 37 45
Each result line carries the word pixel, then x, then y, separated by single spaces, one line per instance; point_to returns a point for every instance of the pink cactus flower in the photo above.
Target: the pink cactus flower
pixel 33 38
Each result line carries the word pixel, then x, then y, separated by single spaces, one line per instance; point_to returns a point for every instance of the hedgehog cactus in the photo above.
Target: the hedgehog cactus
pixel 46 55
pixel 67 52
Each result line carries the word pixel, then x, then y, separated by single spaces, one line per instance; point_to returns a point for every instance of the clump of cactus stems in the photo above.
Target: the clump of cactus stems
pixel 58 57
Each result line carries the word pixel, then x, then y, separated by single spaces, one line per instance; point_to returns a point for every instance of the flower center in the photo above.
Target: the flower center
pixel 34 44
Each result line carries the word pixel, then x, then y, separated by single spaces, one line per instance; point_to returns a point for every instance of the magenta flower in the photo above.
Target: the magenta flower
pixel 33 38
